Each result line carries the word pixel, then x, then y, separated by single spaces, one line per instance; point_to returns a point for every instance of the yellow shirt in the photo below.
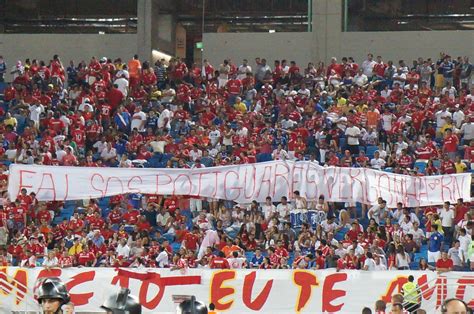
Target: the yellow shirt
pixel 460 167
pixel 12 121
pixel 241 107
pixel 75 249
pixel 445 127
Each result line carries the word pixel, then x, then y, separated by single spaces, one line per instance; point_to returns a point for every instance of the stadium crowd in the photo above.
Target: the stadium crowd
pixel 414 119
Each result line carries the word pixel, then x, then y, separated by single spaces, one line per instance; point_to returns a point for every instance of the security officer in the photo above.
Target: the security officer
pixel 122 303
pixel 411 295
pixel 52 295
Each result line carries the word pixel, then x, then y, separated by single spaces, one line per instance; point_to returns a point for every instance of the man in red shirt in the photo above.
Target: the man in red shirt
pixel 131 217
pixel 191 240
pixel 460 209
pixel 405 160
pixel 86 257
pixel 219 262
pixel 444 263
pixel 447 166
pixel 450 144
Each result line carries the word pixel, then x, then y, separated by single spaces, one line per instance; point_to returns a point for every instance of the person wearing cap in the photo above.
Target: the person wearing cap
pixel 52 295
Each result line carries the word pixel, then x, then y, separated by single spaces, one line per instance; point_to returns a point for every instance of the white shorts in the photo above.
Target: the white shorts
pixel 433 256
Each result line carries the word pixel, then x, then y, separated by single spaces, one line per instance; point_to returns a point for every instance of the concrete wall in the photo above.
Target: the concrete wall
pixel 75 47
pixel 302 48
pixel 271 46
pixel 407 45
pixel 327 40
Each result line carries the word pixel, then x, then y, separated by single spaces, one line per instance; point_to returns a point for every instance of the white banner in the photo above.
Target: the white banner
pixel 236 291
pixel 241 183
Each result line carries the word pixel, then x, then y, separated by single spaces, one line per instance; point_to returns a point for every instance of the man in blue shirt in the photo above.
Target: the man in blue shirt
pixel 448 69
pixel 257 259
pixel 434 244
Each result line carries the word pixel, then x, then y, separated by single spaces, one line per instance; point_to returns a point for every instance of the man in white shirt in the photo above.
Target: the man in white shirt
pixel 441 116
pixel 162 260
pixel 164 120
pixel 360 78
pixel 122 85
pixel 378 212
pixel 35 111
pixel 268 208
pixel 237 262
pixel 379 265
pixel 467 129
pixel 284 208
pixel 458 117
pixel 195 153
pixel 447 219
pixel 369 263
pixel 123 249
pixel 138 119
pixel 368 65
pixel 377 162
pixel 214 135
pixel 244 68
pixel 211 238
pixel 399 78
pixel 418 234
pixel 353 134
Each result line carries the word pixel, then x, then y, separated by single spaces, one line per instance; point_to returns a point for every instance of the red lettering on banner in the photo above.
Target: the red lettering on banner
pixel 246 183
pixel 343 182
pixel 380 186
pixel 411 192
pixel 46 273
pixel 219 292
pixel 395 286
pixel 181 188
pixel 397 189
pixel 67 187
pixel 21 185
pixel 83 277
pixel 130 189
pixel 51 188
pixel 330 182
pixel 107 185
pixel 231 188
pixel 330 294
pixel 153 303
pixel 19 282
pixel 265 180
pixel 356 178
pixel 294 179
pixel 446 186
pixel 261 299
pixel 158 182
pixel 283 176
pixel 460 291
pixel 427 292
pixel 102 192
pixel 200 175
pixel 123 281
pixel 421 194
pixel 306 281
pixel 308 181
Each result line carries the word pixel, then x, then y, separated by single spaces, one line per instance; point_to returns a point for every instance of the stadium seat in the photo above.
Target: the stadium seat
pixel 370 151
pixel 421 165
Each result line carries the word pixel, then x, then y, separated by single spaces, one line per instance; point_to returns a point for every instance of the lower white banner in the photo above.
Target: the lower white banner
pixel 236 291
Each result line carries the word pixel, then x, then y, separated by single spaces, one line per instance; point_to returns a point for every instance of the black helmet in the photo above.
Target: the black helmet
pixel 53 288
pixel 186 307
pixel 122 303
